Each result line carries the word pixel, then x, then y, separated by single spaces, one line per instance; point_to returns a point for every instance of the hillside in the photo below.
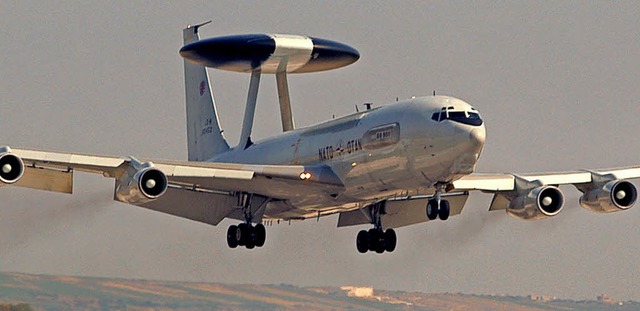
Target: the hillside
pixel 84 293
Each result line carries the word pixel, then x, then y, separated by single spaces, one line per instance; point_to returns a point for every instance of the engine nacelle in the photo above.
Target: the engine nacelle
pixel 140 183
pixel 539 203
pixel 11 167
pixel 613 196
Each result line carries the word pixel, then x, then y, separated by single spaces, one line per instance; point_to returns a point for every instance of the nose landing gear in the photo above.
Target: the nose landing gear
pixel 437 207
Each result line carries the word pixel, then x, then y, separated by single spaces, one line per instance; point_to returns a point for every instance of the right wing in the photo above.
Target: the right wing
pixel 200 191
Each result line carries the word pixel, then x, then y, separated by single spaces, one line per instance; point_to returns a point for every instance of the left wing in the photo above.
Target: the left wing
pixel 528 197
pixel 536 196
pixel 200 191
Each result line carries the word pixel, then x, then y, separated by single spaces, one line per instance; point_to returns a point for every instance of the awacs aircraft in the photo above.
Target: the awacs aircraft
pixel 400 164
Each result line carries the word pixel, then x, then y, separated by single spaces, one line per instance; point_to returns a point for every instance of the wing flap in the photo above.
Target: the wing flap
pixel 403 212
pixel 45 179
pixel 208 208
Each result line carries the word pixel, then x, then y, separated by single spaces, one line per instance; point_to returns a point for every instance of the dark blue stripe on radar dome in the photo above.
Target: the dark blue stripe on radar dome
pixel 237 53
pixel 329 55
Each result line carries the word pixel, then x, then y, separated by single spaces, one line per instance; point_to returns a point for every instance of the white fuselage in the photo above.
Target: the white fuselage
pixel 394 150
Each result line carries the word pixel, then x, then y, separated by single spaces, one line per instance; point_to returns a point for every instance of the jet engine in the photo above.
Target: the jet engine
pixel 140 183
pixel 613 196
pixel 539 203
pixel 11 168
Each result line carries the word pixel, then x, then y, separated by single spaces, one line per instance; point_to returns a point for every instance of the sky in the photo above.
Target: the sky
pixel 557 83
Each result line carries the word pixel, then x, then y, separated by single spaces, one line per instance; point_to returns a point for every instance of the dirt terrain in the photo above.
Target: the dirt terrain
pixel 44 292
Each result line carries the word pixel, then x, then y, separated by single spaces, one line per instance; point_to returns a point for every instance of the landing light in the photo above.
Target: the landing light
pixel 305 175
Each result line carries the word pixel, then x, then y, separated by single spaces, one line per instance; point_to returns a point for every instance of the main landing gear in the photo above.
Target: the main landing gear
pixel 376 239
pixel 246 234
pixel 436 207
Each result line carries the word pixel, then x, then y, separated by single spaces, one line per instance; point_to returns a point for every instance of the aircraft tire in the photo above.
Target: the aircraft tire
pixel 260 234
pixel 373 239
pixel 362 241
pixel 243 234
pixel 445 210
pixel 390 240
pixel 432 209
pixel 380 245
pixel 231 236
pixel 250 245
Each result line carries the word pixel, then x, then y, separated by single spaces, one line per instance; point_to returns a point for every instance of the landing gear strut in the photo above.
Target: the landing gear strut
pixel 376 239
pixel 245 234
pixel 437 207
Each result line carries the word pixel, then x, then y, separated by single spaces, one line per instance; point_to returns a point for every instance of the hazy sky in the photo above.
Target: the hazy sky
pixel 557 82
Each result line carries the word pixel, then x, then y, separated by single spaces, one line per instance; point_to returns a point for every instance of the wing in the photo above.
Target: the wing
pixel 200 191
pixel 528 197
pixel 536 196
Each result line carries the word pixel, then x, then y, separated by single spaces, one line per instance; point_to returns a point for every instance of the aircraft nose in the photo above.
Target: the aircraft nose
pixel 477 137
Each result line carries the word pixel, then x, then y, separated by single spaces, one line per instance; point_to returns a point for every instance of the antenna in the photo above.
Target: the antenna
pixel 368 105
pixel 357 110
pixel 434 92
pixel 195 27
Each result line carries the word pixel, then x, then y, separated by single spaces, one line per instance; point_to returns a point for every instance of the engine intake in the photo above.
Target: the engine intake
pixel 541 202
pixel 11 168
pixel 613 196
pixel 140 183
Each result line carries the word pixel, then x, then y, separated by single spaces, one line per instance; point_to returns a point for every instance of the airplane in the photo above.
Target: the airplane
pixel 407 162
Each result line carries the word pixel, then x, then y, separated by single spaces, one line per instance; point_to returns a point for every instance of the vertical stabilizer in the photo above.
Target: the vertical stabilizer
pixel 204 135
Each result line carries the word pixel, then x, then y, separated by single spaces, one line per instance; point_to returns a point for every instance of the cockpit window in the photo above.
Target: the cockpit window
pixel 435 116
pixel 465 117
pixel 470 118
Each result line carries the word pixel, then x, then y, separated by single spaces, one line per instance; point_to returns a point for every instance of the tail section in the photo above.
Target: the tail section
pixel 205 139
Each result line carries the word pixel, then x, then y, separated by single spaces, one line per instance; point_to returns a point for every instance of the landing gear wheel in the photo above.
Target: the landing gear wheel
pixel 231 236
pixel 377 240
pixel 362 241
pixel 243 234
pixel 260 235
pixel 432 209
pixel 251 241
pixel 444 211
pixel 373 239
pixel 390 240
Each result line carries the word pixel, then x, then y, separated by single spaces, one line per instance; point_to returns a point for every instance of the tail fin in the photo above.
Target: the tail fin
pixel 204 135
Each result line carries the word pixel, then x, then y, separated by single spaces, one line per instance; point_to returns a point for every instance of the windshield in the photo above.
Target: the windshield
pixel 469 118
